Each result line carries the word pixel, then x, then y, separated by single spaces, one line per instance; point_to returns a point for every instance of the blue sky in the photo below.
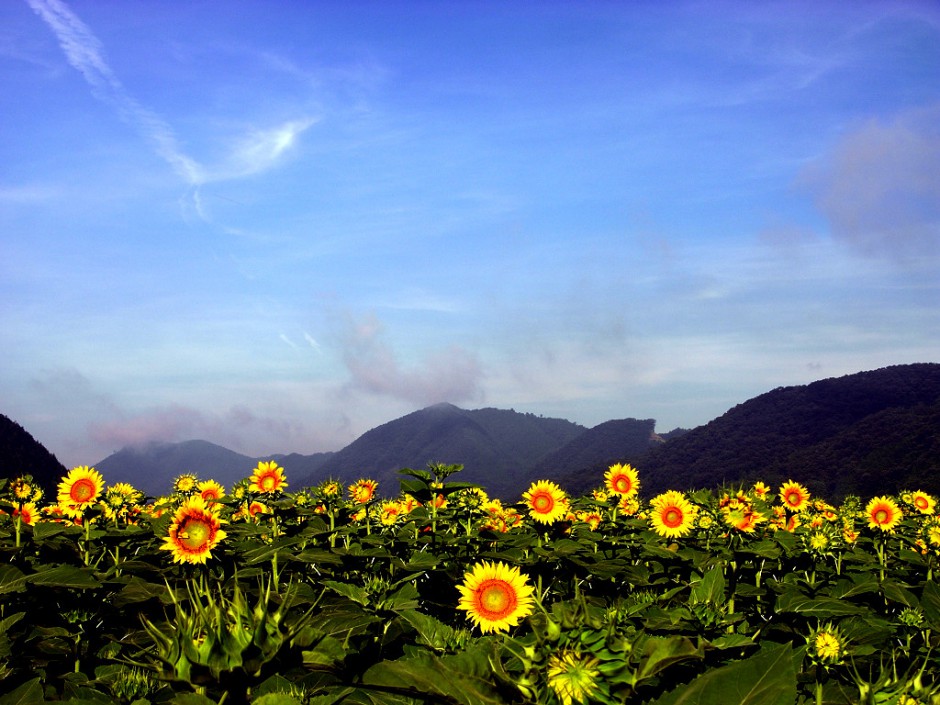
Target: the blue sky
pixel 276 225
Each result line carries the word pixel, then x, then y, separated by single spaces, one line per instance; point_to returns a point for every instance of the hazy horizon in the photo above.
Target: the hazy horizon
pixel 276 225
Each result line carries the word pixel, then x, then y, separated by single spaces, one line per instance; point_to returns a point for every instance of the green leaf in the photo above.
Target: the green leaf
pixel 191 699
pixel 930 602
pixel 710 588
pixel 27 694
pixel 431 632
pixel 275 699
pixel 660 652
pixel 138 590
pixel 766 678
pixel 464 678
pixel 63 576
pixel 818 607
pixel 353 592
pixel 12 579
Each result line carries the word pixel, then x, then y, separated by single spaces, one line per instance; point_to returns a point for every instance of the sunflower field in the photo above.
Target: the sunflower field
pixel 263 594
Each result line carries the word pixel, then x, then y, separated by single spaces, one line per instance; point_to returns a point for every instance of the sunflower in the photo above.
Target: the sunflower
pixel 827 645
pixel 760 490
pixel 495 596
pixel 883 513
pixel 622 480
pixel 210 490
pixel 362 491
pixel 591 518
pixel 195 530
pixel 672 515
pixel 546 500
pixel 794 496
pixel 267 478
pixel 743 518
pixel 80 489
pixel 923 502
pixel 572 677
pixel 185 483
pixel 389 512
pixel 28 513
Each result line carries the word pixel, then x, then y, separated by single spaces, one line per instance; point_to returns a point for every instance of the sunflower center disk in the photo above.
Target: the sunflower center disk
pixel 497 598
pixel 672 518
pixel 194 534
pixel 83 490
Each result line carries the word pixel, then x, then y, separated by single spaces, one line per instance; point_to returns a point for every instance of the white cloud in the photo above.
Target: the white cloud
pixel 258 151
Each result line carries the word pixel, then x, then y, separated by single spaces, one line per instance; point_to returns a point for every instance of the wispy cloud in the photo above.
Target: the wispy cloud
pixel 256 152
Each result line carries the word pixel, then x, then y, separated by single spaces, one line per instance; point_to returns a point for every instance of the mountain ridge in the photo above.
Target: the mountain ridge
pixel 867 433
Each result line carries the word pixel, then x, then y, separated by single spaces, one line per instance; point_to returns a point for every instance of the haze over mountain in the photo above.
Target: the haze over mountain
pixel 869 433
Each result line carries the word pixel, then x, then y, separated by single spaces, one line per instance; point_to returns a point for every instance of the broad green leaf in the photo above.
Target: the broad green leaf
pixel 436 677
pixel 63 576
pixel 326 654
pixel 661 652
pixel 818 607
pixel 191 699
pixel 930 603
pixel 27 694
pixel 431 632
pixel 46 529
pixel 898 593
pixel 275 699
pixel 710 588
pixel 138 591
pixel 12 579
pixel 849 588
pixel 766 678
pixel 353 592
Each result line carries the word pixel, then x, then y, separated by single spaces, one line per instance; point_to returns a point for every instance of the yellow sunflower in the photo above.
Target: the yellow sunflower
pixel 195 530
pixel 495 596
pixel 923 502
pixel 546 500
pixel 794 496
pixel 883 513
pixel 573 678
pixel 743 518
pixel 760 490
pixel 671 514
pixel 389 512
pixel 80 489
pixel 185 483
pixel 827 644
pixel 623 480
pixel 362 491
pixel 210 490
pixel 267 478
pixel 28 513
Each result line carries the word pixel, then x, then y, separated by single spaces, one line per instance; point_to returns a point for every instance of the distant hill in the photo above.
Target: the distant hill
pixel 497 447
pixel 21 454
pixel 154 466
pixel 584 460
pixel 868 433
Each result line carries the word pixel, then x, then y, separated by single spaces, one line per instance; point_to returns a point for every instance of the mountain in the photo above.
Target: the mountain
pixel 21 454
pixel 153 467
pixel 584 460
pixel 496 447
pixel 869 433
